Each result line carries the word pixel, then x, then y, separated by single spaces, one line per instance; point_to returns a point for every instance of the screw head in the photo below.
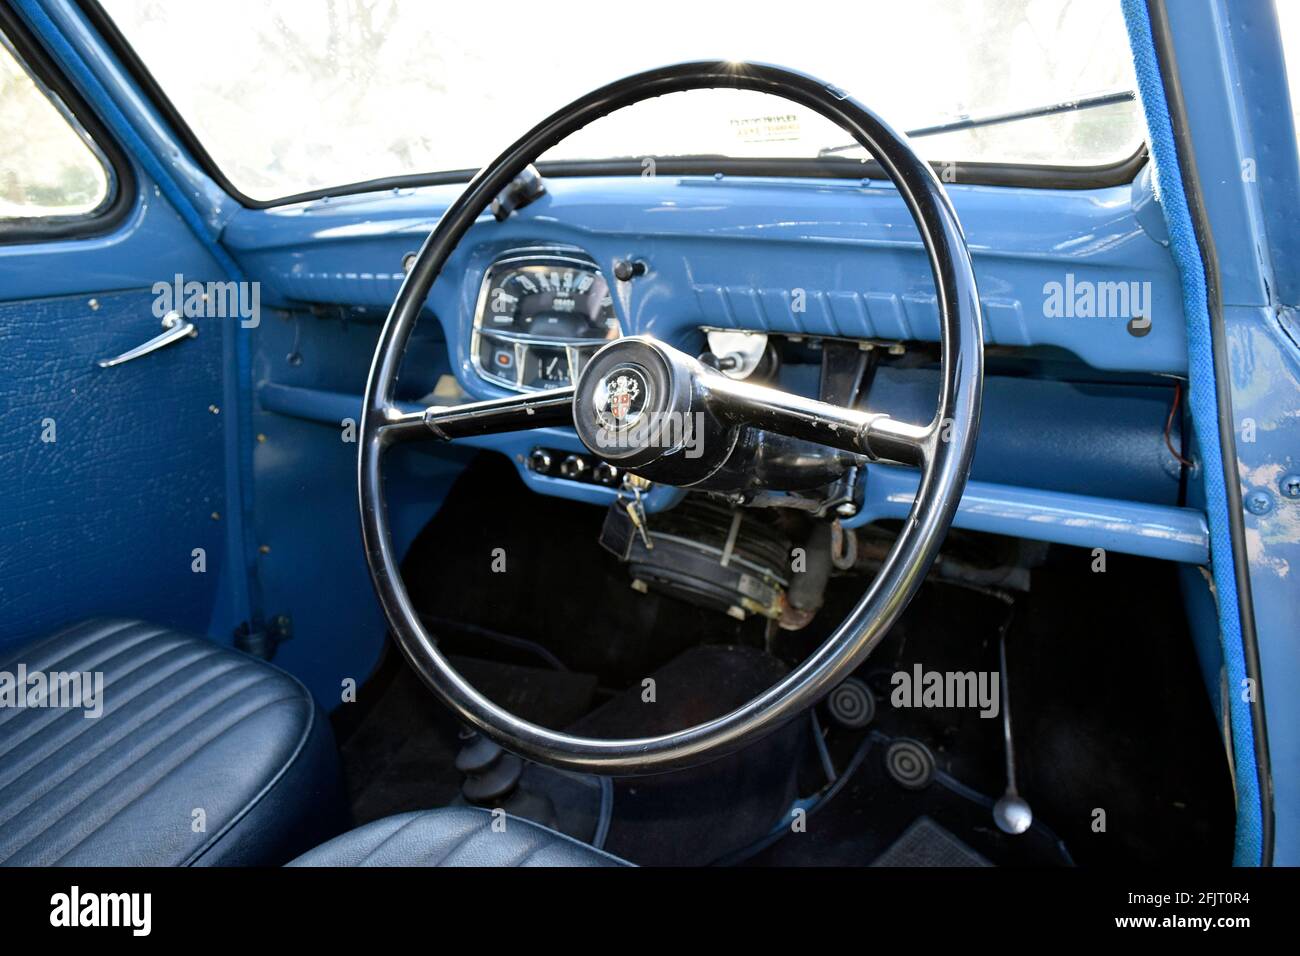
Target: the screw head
pixel 1290 485
pixel 1259 502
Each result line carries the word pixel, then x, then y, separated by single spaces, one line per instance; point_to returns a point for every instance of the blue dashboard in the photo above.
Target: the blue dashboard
pixel 1072 446
pixel 730 252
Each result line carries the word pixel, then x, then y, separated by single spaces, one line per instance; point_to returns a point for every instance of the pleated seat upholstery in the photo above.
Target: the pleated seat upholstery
pixel 201 755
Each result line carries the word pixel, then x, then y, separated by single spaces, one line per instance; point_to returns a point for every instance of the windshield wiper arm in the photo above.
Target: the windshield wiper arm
pixel 996 119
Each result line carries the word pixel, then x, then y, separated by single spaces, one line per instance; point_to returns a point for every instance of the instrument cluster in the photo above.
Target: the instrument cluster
pixel 541 313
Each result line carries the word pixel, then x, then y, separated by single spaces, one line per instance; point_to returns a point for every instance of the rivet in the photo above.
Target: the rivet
pixel 214 409
pixel 1290 485
pixel 216 516
pixel 261 439
pixel 94 305
pixel 264 549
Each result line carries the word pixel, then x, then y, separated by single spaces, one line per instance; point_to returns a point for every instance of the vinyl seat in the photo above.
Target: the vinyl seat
pixel 455 836
pixel 201 756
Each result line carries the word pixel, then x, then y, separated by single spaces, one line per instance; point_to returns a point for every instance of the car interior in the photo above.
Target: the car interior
pixel 869 452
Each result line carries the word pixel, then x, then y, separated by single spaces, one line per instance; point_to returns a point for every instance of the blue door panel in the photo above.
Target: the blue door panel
pixel 113 477
pixel 106 517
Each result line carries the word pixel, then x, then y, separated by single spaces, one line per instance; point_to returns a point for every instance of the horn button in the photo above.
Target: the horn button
pixel 639 402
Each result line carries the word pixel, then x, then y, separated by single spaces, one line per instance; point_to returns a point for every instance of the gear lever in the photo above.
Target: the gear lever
pixel 1011 813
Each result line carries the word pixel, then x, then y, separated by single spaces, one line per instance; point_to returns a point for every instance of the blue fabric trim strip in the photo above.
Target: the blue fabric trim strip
pixel 1203 408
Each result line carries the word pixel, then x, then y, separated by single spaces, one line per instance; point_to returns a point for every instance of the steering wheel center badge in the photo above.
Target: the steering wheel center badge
pixel 620 398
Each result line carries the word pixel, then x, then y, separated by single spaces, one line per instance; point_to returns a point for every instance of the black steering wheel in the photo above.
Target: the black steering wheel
pixel 616 417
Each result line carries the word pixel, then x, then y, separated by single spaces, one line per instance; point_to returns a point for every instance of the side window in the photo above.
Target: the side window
pixel 50 169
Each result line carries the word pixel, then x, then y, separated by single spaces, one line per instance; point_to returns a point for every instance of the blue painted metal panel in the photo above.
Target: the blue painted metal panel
pixel 1158 531
pixel 311 562
pixel 152 244
pixel 1265 380
pixel 1154 531
pixel 1081 438
pixel 1234 82
pixel 333 408
pixel 1262 359
pixel 731 252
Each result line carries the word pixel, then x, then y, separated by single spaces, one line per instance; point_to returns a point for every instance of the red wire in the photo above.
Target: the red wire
pixel 1169 424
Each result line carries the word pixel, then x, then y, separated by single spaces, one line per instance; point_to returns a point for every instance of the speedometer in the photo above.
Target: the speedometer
pixel 551 300
pixel 539 316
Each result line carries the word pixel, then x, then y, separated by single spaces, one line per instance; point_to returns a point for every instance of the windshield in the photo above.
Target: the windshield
pixel 289 97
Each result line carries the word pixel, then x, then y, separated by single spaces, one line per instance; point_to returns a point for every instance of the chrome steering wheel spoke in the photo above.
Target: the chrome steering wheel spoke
pixel 511 414
pixel 875 435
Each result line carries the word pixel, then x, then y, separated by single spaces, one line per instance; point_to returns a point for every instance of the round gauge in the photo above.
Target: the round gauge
pixel 561 299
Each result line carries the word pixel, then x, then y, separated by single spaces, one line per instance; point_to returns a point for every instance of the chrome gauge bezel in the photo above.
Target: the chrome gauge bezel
pixel 576 350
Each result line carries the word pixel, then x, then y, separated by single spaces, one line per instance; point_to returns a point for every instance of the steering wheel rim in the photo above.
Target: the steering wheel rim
pixel 948 442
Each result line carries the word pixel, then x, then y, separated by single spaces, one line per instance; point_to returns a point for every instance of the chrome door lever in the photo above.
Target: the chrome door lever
pixel 174 329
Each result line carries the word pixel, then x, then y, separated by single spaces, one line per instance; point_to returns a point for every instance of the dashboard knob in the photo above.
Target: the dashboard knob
pixel 625 270
pixel 539 460
pixel 606 473
pixel 573 467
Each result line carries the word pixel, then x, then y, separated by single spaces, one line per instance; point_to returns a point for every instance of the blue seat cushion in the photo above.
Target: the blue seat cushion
pixel 455 836
pixel 201 756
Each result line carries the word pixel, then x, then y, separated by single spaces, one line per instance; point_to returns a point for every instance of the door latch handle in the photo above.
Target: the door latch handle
pixel 174 329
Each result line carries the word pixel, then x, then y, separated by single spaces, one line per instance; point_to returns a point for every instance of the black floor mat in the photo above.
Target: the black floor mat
pixel 397 743
pixel 925 843
pixel 398 754
pixel 872 812
pixel 691 817
pixel 1110 711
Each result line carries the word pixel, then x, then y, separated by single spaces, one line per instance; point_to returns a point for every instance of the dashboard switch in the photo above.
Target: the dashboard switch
pixel 539 460
pixel 573 467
